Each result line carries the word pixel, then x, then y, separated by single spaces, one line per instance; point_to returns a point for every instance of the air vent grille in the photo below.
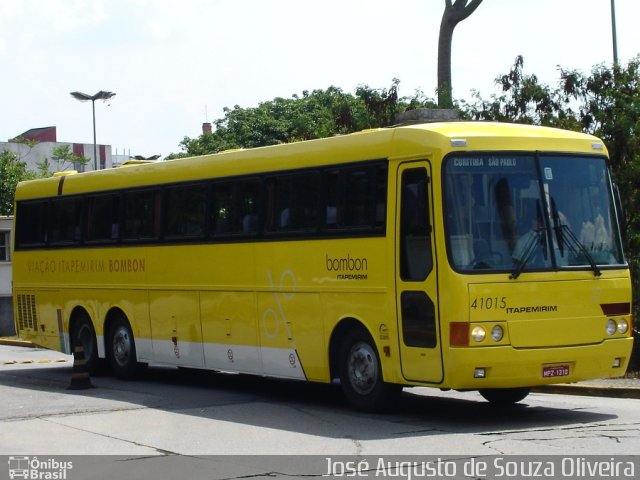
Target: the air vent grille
pixel 27 312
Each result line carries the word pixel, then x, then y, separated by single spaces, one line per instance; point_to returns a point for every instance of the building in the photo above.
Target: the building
pixel 33 147
pixel 6 309
pixel 46 138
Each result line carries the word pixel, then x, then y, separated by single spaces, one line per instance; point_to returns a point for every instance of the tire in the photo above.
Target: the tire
pixel 504 396
pixel 121 350
pixel 84 335
pixel 361 374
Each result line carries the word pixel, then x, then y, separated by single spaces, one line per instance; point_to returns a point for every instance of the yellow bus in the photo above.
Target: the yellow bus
pixel 468 256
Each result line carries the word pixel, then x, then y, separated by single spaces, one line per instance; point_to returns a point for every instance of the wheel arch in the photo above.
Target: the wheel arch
pixel 78 313
pixel 82 333
pixel 339 332
pixel 114 313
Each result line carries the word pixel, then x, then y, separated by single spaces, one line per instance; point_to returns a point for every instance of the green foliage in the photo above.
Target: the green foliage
pixel 63 158
pixel 12 171
pixel 316 114
pixel 25 141
pixel 605 103
pixel 523 100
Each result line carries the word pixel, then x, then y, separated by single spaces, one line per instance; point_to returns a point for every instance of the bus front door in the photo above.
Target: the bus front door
pixel 416 277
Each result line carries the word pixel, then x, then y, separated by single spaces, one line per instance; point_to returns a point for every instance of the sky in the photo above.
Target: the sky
pixel 176 64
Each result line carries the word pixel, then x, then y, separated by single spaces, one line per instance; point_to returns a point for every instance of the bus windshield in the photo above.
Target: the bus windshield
pixel 524 213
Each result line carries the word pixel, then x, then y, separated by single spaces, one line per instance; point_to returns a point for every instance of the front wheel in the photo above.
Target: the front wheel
pixel 504 396
pixel 122 350
pixel 361 374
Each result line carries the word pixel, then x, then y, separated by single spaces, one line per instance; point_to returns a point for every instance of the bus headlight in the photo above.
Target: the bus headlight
pixel 612 326
pixel 478 334
pixel 623 326
pixel 497 333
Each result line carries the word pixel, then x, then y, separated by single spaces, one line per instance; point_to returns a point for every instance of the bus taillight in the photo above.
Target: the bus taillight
pixel 459 334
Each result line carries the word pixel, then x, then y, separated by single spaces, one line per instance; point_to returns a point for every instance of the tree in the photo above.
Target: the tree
pixel 454 12
pixel 64 159
pixel 12 171
pixel 524 100
pixel 605 103
pixel 316 114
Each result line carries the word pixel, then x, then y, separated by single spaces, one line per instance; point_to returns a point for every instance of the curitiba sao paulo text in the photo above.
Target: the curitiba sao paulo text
pixel 498 467
pixel 117 265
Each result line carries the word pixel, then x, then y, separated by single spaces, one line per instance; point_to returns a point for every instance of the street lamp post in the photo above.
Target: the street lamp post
pixel 83 97
pixel 613 32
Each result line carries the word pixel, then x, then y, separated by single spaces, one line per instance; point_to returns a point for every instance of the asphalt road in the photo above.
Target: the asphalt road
pixel 170 420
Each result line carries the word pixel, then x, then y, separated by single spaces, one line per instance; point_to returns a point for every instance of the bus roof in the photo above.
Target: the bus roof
pixel 431 140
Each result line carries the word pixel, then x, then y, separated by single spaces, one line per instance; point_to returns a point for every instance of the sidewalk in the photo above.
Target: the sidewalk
pixel 605 387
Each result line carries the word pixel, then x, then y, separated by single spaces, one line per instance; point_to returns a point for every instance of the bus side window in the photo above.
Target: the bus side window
pixel 418 320
pixel 31 224
pixel 293 202
pixel 359 201
pixel 185 211
pixel 333 199
pixel 141 212
pixel 102 218
pixel 248 199
pixel 355 198
pixel 416 261
pixel 66 221
pixel 235 208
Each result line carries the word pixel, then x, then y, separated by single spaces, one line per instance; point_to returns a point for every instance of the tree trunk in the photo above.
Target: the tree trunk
pixel 453 14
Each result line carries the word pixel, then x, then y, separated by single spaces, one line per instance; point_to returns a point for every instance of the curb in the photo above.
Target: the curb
pixel 16 342
pixel 589 390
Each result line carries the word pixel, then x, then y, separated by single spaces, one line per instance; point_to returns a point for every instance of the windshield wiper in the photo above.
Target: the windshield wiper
pixel 564 233
pixel 536 238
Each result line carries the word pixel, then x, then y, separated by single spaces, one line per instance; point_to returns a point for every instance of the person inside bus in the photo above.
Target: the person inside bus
pixel 530 247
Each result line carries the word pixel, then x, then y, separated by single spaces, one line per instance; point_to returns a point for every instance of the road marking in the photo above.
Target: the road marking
pixel 29 361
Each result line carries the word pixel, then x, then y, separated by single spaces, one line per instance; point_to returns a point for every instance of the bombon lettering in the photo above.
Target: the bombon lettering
pixel 347 268
pixel 127 265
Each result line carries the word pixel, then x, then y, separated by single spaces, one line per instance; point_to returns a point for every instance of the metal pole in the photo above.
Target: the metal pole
pixel 95 147
pixel 613 32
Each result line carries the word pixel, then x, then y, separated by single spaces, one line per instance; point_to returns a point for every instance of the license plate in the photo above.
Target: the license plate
pixel 552 371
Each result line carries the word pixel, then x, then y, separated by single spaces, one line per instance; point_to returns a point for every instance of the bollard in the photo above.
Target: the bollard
pixel 80 374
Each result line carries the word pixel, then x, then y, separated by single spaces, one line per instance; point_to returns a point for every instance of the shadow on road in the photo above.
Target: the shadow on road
pixel 289 405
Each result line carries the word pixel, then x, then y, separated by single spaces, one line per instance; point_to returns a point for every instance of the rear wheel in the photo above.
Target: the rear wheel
pixel 84 335
pixel 122 349
pixel 504 396
pixel 361 374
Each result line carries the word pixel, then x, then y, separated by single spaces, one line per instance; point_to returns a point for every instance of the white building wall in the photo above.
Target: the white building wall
pixel 6 310
pixel 6 225
pixel 36 154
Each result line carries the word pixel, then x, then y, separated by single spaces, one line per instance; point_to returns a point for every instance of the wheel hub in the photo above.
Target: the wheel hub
pixel 363 368
pixel 121 346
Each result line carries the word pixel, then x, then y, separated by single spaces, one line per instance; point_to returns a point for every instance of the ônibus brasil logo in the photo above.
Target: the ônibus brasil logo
pixel 37 469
